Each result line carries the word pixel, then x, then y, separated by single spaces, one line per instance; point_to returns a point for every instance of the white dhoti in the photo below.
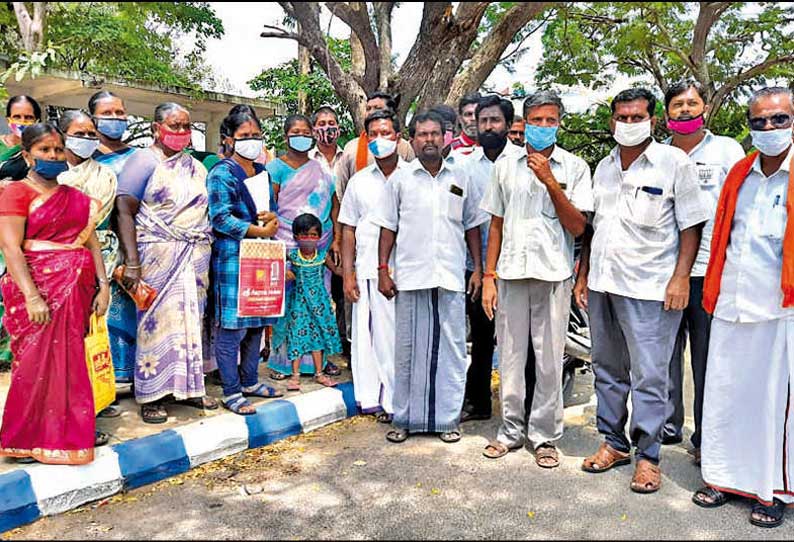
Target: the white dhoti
pixel 748 426
pixel 372 349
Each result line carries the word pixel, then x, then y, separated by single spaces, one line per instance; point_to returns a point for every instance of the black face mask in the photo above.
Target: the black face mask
pixel 492 140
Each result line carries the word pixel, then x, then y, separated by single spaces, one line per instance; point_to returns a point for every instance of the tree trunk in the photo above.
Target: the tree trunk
pixel 304 66
pixel 31 28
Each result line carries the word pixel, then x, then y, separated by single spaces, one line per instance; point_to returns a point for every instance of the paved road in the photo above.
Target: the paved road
pixel 346 481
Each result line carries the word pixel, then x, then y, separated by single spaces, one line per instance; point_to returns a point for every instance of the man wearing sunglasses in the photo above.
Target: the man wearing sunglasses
pixel 748 423
pixel 713 156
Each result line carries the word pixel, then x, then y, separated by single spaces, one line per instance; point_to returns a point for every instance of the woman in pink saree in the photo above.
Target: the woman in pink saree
pixel 54 262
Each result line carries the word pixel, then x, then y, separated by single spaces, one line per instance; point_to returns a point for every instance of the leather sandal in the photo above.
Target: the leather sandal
pixel 709 497
pixel 774 513
pixel 154 413
pixel 495 450
pixel 547 456
pixel 647 477
pixel 450 437
pixel 397 435
pixel 605 458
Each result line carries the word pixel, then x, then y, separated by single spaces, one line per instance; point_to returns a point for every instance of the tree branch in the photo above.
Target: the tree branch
pixel 356 16
pixel 383 14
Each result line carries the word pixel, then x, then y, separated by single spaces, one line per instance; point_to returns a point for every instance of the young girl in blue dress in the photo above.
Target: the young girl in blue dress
pixel 309 326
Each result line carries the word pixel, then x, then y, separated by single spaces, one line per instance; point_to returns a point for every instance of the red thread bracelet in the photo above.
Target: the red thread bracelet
pixel 383 267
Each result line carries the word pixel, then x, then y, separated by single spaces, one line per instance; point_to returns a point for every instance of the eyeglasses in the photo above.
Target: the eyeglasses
pixel 781 120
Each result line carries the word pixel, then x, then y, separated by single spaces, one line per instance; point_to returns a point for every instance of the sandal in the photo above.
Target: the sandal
pixel 647 477
pixel 547 456
pixel 101 438
pixel 275 375
pixel 113 411
pixel 397 435
pixel 332 370
pixel 384 417
pixel 27 460
pixel 605 458
pixel 774 512
pixel 203 403
pixel 325 380
pixel 495 450
pixel 239 405
pixel 263 391
pixel 294 383
pixel 450 436
pixel 709 497
pixel 154 413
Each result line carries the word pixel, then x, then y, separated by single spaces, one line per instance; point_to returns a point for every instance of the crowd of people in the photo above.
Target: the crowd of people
pixel 392 243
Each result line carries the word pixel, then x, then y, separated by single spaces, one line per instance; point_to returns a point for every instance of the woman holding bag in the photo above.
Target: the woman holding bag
pixel 54 263
pixel 234 216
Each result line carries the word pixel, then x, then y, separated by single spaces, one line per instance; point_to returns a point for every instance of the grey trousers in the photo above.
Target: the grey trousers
pixel 531 314
pixel 633 342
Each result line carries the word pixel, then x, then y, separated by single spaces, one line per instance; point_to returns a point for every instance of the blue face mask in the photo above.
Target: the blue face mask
pixel 111 128
pixel 301 143
pixel 540 137
pixel 49 169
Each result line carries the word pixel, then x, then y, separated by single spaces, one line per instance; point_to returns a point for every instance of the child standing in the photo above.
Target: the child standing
pixel 310 325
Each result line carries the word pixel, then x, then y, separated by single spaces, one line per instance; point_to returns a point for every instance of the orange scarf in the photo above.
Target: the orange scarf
pixel 362 153
pixel 726 207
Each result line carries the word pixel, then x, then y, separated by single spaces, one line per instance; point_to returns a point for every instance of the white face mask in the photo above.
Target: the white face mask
pixel 772 142
pixel 249 148
pixel 84 147
pixel 632 134
pixel 382 147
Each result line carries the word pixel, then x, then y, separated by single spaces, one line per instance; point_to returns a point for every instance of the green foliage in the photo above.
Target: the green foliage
pixel 131 40
pixel 282 84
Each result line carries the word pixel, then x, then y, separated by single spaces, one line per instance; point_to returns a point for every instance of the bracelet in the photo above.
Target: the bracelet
pixel 489 275
pixel 133 266
pixel 383 267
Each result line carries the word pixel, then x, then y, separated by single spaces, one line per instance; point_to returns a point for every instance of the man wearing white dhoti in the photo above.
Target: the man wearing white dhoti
pixel 372 348
pixel 748 425
pixel 430 211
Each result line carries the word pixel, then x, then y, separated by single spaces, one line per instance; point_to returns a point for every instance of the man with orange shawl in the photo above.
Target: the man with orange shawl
pixel 748 426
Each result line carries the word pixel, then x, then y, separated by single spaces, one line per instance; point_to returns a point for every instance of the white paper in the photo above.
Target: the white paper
pixel 259 188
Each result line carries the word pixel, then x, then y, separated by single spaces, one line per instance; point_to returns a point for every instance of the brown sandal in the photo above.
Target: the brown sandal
pixel 605 458
pixel 647 477
pixel 547 456
pixel 495 450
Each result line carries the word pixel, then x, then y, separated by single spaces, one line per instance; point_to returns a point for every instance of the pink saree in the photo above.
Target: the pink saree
pixel 49 412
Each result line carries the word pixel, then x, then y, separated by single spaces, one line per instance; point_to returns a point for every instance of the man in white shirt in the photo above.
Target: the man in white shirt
pixel 537 198
pixel 748 412
pixel 634 277
pixel 713 155
pixel 494 115
pixel 372 348
pixel 431 211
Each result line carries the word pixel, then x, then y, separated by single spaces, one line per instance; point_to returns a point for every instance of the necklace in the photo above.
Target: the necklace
pixel 311 258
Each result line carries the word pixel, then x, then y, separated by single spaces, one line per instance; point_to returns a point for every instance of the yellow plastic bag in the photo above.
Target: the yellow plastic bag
pixel 100 363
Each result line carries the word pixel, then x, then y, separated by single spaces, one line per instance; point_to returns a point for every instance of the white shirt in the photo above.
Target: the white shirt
pixel 638 216
pixel 364 193
pixel 714 157
pixel 430 215
pixel 480 168
pixel 316 154
pixel 534 243
pixel 750 288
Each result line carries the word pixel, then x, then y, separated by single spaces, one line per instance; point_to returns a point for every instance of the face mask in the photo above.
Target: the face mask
pixel 18 127
pixel 632 134
pixel 84 147
pixel 307 245
pixel 111 128
pixel 174 140
pixel 685 127
pixel 49 169
pixel 382 147
pixel 491 140
pixel 772 142
pixel 327 135
pixel 301 143
pixel 249 148
pixel 448 137
pixel 540 137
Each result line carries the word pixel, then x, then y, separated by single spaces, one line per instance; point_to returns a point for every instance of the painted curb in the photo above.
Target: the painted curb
pixel 36 491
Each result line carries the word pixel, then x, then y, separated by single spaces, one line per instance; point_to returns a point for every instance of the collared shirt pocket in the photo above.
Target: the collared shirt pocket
pixel 774 218
pixel 644 205
pixel 455 200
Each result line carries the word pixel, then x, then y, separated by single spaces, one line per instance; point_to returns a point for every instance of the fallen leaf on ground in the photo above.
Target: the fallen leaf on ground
pixel 531 514
pixel 359 463
pixel 435 491
pixel 624 517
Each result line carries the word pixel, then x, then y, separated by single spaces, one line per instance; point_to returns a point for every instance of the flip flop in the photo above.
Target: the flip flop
pixel 101 438
pixel 275 375
pixel 154 413
pixel 263 391
pixel 384 417
pixel 397 435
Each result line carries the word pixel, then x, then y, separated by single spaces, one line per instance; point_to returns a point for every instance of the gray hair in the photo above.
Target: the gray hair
pixel 68 117
pixel 544 97
pixel 162 111
pixel 770 91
